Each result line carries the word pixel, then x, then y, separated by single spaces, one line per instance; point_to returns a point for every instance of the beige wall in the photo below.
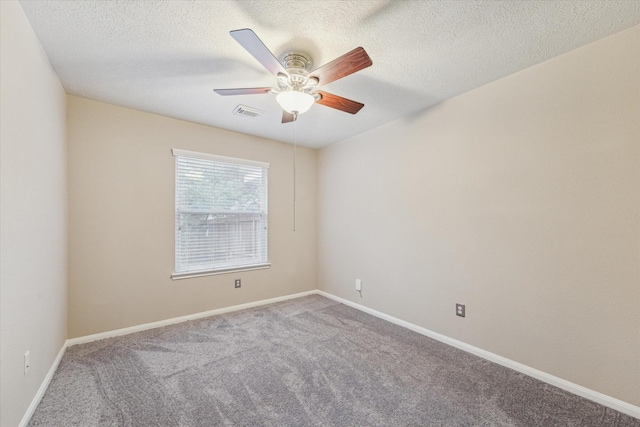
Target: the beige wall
pixel 520 199
pixel 33 213
pixel 121 211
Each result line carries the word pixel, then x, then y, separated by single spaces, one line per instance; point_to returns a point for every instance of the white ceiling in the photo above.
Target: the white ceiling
pixel 166 57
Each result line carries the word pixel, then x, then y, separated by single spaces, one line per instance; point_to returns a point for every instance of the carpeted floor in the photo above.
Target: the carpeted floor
pixel 304 362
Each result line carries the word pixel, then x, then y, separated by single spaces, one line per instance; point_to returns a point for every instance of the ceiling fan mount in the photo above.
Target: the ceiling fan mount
pixel 297 86
pixel 296 60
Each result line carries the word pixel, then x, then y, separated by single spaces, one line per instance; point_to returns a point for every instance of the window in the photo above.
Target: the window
pixel 221 214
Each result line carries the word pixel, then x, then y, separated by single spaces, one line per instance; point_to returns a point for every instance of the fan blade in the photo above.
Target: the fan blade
pixel 255 47
pixel 343 66
pixel 338 102
pixel 288 117
pixel 243 91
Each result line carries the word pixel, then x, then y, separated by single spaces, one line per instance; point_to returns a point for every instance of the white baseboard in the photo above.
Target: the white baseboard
pixel 579 390
pixel 160 323
pixel 43 387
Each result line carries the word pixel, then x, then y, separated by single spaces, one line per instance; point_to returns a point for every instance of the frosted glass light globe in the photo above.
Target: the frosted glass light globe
pixel 295 102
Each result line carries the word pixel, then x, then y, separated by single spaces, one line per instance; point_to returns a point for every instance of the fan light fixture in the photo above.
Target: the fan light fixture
pixel 295 102
pixel 297 86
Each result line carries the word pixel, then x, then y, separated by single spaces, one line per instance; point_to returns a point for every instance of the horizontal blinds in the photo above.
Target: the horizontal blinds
pixel 221 213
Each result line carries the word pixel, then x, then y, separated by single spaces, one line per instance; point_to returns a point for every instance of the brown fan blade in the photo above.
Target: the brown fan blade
pixel 341 67
pixel 338 102
pixel 243 91
pixel 255 47
pixel 288 117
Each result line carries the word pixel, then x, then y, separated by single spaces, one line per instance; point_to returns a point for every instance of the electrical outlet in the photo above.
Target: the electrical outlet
pixel 460 310
pixel 238 283
pixel 358 285
pixel 27 362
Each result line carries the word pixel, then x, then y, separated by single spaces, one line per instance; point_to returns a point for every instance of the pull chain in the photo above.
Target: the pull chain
pixel 295 116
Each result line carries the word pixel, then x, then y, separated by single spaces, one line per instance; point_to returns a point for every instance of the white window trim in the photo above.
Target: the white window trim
pixel 201 273
pixel 206 156
pixel 176 152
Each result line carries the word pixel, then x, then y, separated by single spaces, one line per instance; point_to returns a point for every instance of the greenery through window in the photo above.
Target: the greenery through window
pixel 221 213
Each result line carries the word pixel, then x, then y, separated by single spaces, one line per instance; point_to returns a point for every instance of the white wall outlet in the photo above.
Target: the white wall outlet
pixel 358 285
pixel 27 362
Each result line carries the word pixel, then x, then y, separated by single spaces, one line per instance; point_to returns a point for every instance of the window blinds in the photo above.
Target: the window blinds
pixel 221 213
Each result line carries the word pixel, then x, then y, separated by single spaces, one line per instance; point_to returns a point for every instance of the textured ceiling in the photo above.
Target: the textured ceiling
pixel 166 57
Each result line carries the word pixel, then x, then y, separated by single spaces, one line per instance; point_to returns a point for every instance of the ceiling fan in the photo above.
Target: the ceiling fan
pixel 296 89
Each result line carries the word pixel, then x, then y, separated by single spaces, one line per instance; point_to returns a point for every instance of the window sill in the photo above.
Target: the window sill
pixel 190 274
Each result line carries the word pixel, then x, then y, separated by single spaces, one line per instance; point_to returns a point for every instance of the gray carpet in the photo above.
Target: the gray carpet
pixel 304 362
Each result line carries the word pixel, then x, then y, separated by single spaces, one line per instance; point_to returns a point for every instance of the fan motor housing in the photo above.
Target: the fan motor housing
pixel 297 65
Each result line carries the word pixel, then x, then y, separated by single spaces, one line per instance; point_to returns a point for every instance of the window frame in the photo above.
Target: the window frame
pixel 226 160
